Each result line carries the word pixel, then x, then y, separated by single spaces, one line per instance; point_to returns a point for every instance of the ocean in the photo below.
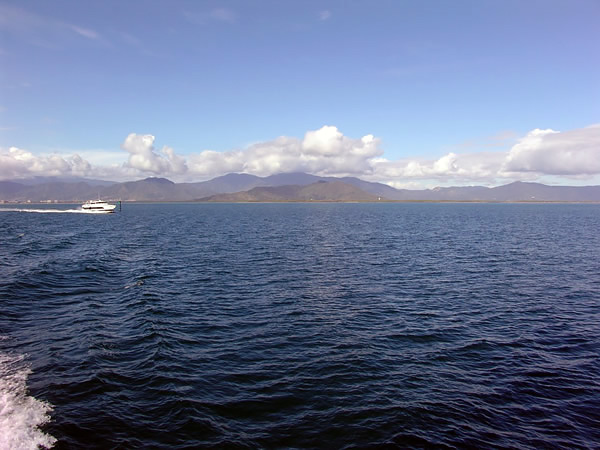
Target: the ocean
pixel 301 326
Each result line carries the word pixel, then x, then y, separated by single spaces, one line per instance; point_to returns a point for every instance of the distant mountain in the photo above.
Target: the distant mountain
pixel 378 189
pixel 161 189
pixel 238 182
pixel 59 191
pixel 540 192
pixel 8 189
pixel 321 191
pixel 149 189
pixel 514 192
pixel 233 182
pixel 299 178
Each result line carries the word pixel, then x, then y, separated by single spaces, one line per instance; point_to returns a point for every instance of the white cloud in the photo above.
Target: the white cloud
pixel 143 157
pixel 445 166
pixel 575 152
pixel 211 162
pixel 323 152
pixel 540 155
pixel 19 163
pixel 455 168
pixel 79 165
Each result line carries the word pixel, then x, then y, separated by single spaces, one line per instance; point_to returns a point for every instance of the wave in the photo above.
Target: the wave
pixel 21 415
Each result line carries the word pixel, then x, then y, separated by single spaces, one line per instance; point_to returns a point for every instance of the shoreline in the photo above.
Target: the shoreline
pixel 77 202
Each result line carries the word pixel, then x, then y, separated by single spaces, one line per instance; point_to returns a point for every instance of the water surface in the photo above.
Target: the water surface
pixel 304 325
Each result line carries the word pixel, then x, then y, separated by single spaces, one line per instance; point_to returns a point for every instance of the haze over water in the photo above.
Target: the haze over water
pixel 302 326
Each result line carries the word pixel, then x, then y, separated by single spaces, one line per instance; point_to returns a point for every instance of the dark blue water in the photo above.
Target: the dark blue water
pixel 306 325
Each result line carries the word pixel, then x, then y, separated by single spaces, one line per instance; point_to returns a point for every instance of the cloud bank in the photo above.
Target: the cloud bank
pixel 327 151
pixel 323 152
pixel 575 152
pixel 19 163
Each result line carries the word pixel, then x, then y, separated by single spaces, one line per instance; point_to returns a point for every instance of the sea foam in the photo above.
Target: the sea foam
pixel 21 415
pixel 31 210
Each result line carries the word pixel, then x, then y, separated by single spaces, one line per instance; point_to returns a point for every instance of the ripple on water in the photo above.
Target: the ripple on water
pixel 309 326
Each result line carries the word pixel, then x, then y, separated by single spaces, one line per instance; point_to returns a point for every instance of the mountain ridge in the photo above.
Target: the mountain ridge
pixel 321 191
pixel 162 189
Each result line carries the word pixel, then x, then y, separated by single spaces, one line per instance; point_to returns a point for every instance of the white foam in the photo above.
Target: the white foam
pixel 31 210
pixel 21 415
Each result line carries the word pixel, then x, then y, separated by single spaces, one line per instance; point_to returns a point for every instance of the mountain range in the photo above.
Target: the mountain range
pixel 279 188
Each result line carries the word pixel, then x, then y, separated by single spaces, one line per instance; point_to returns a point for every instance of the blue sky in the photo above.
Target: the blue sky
pixel 245 86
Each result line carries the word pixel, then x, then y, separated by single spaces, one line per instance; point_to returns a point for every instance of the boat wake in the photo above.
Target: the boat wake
pixel 21 415
pixel 31 210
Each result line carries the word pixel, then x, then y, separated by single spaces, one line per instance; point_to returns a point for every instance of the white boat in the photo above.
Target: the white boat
pixel 98 206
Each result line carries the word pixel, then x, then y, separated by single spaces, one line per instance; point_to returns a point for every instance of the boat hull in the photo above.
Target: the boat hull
pixel 98 206
pixel 99 211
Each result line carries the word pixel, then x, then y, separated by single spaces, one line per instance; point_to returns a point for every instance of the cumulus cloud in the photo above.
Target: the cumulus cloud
pixel 328 152
pixel 19 163
pixel 142 156
pixel 325 151
pixel 575 152
pixel 445 166
pixel 541 153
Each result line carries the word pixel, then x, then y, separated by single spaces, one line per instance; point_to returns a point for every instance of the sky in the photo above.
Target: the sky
pixel 414 94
